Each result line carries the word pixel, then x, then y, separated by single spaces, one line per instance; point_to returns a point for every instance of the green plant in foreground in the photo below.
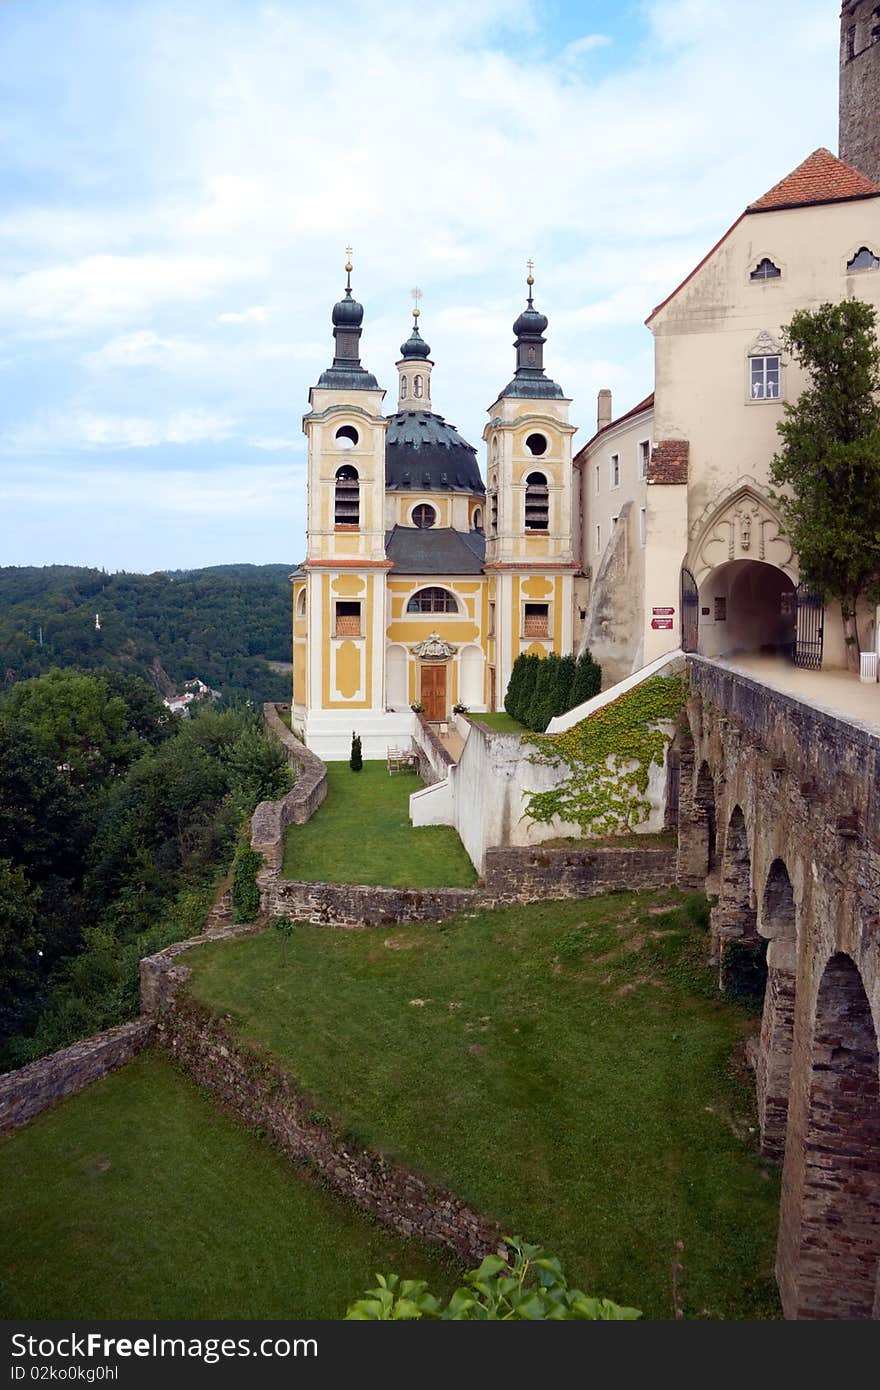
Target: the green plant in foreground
pixel 529 1287
pixel 245 891
pixel 285 927
pixel 356 761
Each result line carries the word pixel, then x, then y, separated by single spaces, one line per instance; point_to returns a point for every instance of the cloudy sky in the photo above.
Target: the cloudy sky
pixel 178 182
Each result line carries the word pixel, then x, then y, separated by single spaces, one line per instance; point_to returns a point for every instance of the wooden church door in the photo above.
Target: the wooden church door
pixel 433 695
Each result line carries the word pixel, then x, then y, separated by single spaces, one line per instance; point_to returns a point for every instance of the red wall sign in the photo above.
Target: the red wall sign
pixel 661 622
pixel 663 612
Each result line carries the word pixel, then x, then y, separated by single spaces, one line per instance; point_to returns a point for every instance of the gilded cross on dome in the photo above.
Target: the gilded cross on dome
pixel 417 295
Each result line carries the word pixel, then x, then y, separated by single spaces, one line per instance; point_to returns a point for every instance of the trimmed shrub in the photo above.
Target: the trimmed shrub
pixel 356 761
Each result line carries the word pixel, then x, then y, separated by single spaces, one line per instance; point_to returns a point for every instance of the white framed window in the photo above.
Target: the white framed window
pixel 764 378
pixel 536 620
pixel 347 618
pixel 417 386
pixel 766 270
pixel 403 388
pixel 864 259
pixel 615 470
pixel 644 447
pixel 598 479
pixel 643 525
pixel 598 538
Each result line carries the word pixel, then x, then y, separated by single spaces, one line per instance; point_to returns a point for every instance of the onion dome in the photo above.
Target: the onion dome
pixel 529 380
pixel 415 345
pixel 346 373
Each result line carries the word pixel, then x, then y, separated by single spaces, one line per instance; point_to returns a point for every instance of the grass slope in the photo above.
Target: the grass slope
pixel 137 1199
pixel 566 1067
pixel 500 721
pixel 362 834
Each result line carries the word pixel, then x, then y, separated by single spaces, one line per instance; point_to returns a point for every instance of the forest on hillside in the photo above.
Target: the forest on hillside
pixel 117 823
pixel 223 624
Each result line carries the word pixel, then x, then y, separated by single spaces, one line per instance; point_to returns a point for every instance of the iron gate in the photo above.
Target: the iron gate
pixel 690 612
pixel 809 629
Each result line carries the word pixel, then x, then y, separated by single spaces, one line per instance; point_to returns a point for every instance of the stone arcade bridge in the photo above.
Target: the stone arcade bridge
pixel 780 816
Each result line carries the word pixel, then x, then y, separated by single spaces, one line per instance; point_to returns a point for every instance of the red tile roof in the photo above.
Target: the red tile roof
pixel 646 404
pixel 822 178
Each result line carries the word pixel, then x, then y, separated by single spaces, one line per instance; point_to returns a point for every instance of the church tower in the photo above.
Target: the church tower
pixel 859 134
pixel 529 506
pixel 339 591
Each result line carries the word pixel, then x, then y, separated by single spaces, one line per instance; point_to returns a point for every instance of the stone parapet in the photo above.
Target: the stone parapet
pixel 528 875
pixel 27 1091
pixel 360 905
pixel 271 818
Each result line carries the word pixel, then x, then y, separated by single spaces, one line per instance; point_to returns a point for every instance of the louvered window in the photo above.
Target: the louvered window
pixel 347 508
pixel 348 619
pixel 536 620
pixel 537 502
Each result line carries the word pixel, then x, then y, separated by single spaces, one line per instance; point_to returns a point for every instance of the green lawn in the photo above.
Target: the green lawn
pixel 501 722
pixel 566 1067
pixel 137 1199
pixel 362 834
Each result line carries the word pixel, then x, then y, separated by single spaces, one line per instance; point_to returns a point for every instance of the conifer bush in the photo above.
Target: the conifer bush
pixel 356 761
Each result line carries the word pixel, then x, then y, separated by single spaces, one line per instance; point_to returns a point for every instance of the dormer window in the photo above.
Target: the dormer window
pixel 766 270
pixel 864 259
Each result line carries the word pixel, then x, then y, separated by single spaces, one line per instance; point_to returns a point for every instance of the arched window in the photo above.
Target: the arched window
pixel 346 437
pixel 537 502
pixel 301 604
pixel 536 444
pixel 424 516
pixel 417 386
pixel 477 519
pixel 403 388
pixel 347 509
pixel 432 601
pixel 864 259
pixel 765 270
pixel 493 503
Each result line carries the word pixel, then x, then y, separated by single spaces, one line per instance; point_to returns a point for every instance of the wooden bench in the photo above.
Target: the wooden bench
pixel 400 760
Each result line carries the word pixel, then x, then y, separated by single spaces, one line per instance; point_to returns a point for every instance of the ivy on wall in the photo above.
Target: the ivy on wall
pixel 609 756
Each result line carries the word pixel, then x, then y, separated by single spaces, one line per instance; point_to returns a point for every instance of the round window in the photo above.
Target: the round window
pixel 424 516
pixel 346 437
pixel 536 444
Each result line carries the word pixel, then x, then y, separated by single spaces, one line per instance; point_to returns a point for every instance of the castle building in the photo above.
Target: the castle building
pixel 679 528
pixel 859 130
pixel 419 586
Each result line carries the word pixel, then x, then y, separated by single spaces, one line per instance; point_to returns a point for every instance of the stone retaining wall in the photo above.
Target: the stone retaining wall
pixel 271 818
pixel 358 905
pixel 258 1091
pixel 27 1091
pixel 521 875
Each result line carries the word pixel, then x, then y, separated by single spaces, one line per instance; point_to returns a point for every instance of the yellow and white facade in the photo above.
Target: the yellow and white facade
pixel 419 588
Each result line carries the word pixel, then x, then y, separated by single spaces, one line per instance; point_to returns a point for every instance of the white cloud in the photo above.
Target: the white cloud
pixel 257 314
pixel 579 48
pixel 86 429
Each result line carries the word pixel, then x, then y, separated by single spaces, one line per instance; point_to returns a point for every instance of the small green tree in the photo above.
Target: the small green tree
pixel 356 760
pixel 829 461
pixel 526 691
pixel 285 927
pixel 514 686
pixel 543 704
pixel 565 674
pixel 587 680
pixel 245 889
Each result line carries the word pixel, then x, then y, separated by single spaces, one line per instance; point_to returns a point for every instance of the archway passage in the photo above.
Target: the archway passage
pixel 837 1263
pixel 741 951
pixel 777 1021
pixel 746 606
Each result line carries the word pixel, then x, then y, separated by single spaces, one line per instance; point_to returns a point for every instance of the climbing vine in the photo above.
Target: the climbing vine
pixel 610 756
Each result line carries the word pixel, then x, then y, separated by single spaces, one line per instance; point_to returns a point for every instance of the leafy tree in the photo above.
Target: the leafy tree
pixel 530 1286
pixel 20 942
pixel 829 461
pixel 77 721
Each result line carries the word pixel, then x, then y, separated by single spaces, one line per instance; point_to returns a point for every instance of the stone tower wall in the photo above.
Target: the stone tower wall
pixel 859 131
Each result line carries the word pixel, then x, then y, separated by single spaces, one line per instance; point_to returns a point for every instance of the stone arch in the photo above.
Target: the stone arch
pixel 741 951
pixel 778 924
pixel 830 1250
pixel 704 802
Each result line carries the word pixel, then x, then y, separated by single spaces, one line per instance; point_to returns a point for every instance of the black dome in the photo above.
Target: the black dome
pixel 530 323
pixel 424 454
pixel 415 345
pixel 347 313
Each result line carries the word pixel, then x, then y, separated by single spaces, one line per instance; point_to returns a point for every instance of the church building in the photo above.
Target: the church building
pixel 421 584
